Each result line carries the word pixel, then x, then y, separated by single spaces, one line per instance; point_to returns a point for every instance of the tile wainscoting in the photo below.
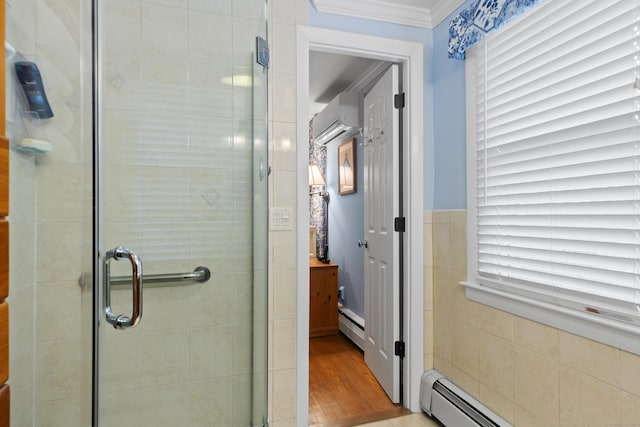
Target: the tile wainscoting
pixel 528 373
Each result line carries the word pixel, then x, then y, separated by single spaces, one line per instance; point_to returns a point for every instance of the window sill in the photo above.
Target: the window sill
pixel 617 334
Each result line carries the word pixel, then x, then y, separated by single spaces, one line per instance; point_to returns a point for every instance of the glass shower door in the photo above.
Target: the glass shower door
pixel 181 175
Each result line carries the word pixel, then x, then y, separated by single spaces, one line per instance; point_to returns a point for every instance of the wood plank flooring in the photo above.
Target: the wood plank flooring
pixel 342 390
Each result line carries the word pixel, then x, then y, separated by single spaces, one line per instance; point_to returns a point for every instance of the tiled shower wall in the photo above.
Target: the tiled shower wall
pixel 48 213
pixel 528 373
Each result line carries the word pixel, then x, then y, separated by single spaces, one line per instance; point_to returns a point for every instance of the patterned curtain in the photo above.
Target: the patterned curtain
pixel 318 157
pixel 483 17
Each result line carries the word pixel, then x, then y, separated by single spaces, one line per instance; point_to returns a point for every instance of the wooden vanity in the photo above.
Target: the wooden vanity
pixel 323 305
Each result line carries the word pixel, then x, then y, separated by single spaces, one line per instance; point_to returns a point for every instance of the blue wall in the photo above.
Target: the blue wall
pixel 399 32
pixel 450 124
pixel 346 227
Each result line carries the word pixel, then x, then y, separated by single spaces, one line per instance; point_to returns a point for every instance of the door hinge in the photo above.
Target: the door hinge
pixel 399 351
pixel 262 52
pixel 400 224
pixel 398 100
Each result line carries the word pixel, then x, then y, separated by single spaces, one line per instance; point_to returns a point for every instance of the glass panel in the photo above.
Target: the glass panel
pixel 50 214
pixel 182 140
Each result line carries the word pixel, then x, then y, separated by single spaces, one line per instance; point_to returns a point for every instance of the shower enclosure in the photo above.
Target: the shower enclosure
pixel 157 175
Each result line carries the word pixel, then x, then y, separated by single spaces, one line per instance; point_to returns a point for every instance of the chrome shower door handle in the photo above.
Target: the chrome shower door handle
pixel 121 321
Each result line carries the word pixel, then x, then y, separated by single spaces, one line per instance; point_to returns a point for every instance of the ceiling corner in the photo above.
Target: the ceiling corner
pixel 443 8
pixel 379 10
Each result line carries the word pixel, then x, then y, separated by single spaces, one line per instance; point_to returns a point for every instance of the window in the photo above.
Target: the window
pixel 554 168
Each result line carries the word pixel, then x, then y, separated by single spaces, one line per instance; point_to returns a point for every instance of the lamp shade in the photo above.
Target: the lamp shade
pixel 315 177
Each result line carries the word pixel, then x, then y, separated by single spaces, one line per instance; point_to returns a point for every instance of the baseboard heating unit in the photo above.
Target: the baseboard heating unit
pixel 352 326
pixel 452 406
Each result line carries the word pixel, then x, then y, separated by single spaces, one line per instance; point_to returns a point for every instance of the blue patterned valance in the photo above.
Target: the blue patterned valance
pixel 483 17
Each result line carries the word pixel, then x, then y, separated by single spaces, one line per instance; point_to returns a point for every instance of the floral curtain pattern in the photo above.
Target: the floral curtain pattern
pixel 318 157
pixel 481 18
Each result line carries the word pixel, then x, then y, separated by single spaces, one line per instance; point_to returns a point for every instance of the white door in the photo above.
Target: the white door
pixel 381 180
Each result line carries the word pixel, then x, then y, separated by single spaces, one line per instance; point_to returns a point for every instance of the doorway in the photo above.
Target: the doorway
pixel 337 390
pixel 410 56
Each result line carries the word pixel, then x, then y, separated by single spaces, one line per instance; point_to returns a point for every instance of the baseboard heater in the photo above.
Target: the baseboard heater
pixel 452 406
pixel 352 326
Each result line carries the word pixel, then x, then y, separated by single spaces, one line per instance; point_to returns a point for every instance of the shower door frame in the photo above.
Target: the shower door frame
pixel 258 170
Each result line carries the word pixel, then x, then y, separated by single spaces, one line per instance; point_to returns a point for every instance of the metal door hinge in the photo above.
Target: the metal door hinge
pixel 262 52
pixel 398 100
pixel 399 350
pixel 400 224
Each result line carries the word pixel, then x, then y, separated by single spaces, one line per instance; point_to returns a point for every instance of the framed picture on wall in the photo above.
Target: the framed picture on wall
pixel 347 167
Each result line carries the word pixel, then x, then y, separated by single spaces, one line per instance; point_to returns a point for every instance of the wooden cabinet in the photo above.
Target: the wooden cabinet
pixel 323 307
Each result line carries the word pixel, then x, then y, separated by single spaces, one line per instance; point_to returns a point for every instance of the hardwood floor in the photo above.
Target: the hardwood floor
pixel 342 390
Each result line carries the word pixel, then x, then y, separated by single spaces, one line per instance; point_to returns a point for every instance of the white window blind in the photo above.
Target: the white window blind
pixel 554 159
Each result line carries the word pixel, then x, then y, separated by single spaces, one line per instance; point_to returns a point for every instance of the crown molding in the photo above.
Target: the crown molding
pixel 388 11
pixel 378 10
pixel 442 9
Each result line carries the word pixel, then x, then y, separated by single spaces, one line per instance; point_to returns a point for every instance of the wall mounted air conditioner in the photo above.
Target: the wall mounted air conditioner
pixel 340 119
pixel 452 406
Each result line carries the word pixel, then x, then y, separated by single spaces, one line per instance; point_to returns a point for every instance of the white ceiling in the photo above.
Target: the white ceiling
pixel 418 13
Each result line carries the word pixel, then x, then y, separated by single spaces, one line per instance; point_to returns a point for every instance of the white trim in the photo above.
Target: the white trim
pixel 378 10
pixel 410 54
pixel 389 11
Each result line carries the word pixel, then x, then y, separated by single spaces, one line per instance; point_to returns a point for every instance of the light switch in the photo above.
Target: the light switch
pixel 281 219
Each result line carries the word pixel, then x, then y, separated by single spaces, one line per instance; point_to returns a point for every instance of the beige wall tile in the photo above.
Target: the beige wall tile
pixel 428 332
pixel 442 335
pixel 525 419
pixel 428 362
pixel 585 400
pixel 536 385
pixel 164 357
pixel 459 247
pixel 57 374
pixel 284 294
pixel 284 344
pixel 498 403
pixel 597 360
pixel 458 217
pixel 630 372
pixel 284 145
pixel 211 352
pixel 496 364
pixel 165 406
pixel 441 245
pixel 117 376
pixel 464 309
pixel 536 337
pixel 65 412
pixel 284 250
pixel 284 84
pixel 428 288
pixel 443 365
pixel 443 287
pixel 629 409
pixel 284 392
pixel 466 346
pixel 441 217
pixel 496 322
pixel 465 381
pixel 211 400
pixel 428 245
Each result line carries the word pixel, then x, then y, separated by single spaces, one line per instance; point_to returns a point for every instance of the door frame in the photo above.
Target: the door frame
pixel 411 56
